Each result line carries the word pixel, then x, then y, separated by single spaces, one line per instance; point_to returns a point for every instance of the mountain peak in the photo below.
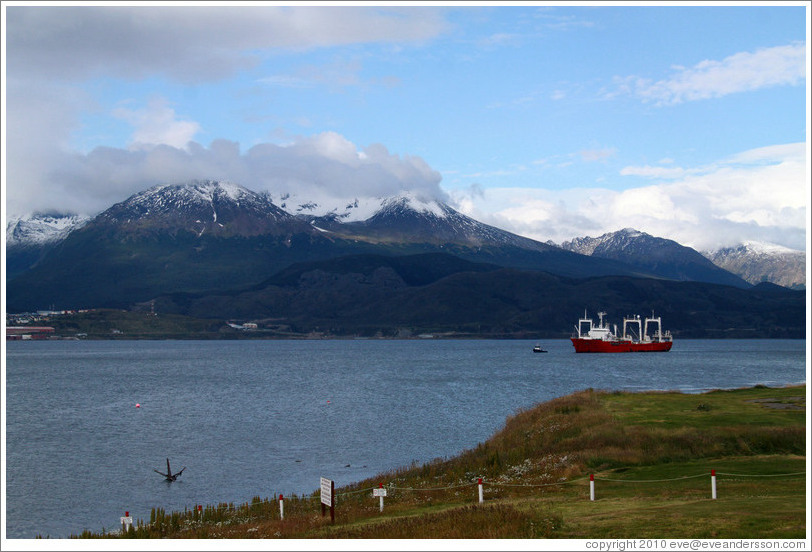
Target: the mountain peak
pixel 355 208
pixel 627 232
pixel 41 228
pixel 417 204
pixel 768 248
pixel 761 261
pixel 195 190
pixel 648 252
pixel 199 206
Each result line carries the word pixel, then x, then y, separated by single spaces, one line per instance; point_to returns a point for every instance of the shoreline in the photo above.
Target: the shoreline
pixel 777 405
pixel 525 365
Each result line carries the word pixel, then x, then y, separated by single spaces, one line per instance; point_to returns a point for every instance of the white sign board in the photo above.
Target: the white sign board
pixel 378 492
pixel 326 492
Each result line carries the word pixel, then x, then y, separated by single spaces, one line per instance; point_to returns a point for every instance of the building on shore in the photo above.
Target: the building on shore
pixel 14 333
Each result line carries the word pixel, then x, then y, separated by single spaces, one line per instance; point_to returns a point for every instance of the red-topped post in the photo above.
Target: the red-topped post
pixel 481 498
pixel 713 484
pixel 126 521
pixel 592 486
pixel 281 507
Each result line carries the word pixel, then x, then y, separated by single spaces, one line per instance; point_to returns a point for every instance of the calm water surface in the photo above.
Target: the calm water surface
pixel 261 418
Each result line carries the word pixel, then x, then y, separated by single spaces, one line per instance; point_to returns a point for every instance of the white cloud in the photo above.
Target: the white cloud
pixel 336 75
pixel 157 124
pixel 500 39
pixel 600 154
pixel 759 195
pixel 326 165
pixel 555 21
pixel 653 172
pixel 52 51
pixel 191 44
pixel 740 72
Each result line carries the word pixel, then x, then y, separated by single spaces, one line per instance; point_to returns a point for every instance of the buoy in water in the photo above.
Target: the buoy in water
pixel 138 405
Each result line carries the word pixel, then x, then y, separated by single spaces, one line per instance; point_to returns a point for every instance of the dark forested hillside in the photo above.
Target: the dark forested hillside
pixel 369 295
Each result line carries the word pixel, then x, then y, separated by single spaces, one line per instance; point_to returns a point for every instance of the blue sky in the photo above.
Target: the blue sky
pixel 552 121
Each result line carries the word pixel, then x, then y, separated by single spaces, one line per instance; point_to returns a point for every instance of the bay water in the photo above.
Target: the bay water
pixel 88 422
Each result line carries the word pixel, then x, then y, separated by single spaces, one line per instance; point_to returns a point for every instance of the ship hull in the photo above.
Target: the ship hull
pixel 618 346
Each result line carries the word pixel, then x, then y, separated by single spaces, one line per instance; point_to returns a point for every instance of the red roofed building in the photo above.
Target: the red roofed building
pixel 28 332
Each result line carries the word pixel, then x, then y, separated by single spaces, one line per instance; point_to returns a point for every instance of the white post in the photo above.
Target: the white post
pixel 126 521
pixel 591 486
pixel 481 498
pixel 713 484
pixel 281 507
pixel 380 486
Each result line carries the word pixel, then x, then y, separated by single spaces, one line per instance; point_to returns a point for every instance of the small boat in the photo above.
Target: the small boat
pixel 591 338
pixel 538 349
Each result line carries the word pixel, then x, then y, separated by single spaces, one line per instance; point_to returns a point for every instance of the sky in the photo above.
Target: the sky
pixel 552 121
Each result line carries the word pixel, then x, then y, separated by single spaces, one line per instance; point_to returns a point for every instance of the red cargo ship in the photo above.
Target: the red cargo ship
pixel 590 338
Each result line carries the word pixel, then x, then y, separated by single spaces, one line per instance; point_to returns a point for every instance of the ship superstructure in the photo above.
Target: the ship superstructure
pixel 600 338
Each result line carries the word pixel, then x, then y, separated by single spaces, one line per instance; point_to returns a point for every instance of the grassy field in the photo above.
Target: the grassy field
pixel 121 324
pixel 651 455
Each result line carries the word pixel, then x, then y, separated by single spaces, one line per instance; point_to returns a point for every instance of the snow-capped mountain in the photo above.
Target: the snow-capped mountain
pixel 41 228
pixel 407 218
pixel 226 209
pixel 217 208
pixel 208 235
pixel 201 206
pixel 332 208
pixel 30 237
pixel 660 255
pixel 758 262
pixel 608 242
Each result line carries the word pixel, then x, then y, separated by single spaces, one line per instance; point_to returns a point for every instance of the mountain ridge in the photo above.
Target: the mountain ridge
pixel 647 252
pixel 757 262
pixel 30 237
pixel 206 235
pixel 375 295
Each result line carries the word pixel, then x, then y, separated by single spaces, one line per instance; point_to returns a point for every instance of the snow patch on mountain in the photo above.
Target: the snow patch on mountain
pixel 355 209
pixel 768 248
pixel 342 209
pixel 756 262
pixel 612 241
pixel 37 229
pixel 421 206
pixel 169 197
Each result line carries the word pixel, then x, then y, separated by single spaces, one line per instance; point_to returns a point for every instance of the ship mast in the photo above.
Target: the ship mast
pixel 635 319
pixel 658 335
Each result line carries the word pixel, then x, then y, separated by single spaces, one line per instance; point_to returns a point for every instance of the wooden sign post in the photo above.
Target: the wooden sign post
pixel 328 488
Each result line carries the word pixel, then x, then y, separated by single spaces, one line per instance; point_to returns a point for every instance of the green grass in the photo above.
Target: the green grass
pixel 651 454
pixel 710 410
pixel 122 324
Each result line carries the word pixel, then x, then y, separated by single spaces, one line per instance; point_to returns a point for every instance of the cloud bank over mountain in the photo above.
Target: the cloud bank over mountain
pixel 751 193
pixel 334 103
pixel 326 165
